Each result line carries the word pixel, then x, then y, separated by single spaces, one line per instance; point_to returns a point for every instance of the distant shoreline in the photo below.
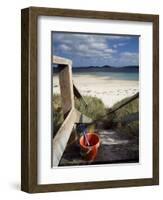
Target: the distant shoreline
pixel 105 68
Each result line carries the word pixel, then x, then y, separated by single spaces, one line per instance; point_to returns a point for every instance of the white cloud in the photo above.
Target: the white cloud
pixel 85 45
pixel 118 45
pixel 64 47
pixel 117 37
pixel 129 57
pixel 109 50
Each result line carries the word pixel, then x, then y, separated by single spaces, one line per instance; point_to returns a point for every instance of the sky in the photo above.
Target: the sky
pixel 96 49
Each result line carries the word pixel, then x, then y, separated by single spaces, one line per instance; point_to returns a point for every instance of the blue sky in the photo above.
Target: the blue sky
pixel 96 49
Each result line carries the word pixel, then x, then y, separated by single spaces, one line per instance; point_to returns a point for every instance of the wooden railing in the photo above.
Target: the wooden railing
pixel 71 115
pixel 124 103
pixel 129 118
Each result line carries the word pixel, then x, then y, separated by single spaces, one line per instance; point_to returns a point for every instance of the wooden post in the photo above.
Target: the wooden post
pixel 66 84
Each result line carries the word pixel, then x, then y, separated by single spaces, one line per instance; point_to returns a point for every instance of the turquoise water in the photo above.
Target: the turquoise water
pixel 113 75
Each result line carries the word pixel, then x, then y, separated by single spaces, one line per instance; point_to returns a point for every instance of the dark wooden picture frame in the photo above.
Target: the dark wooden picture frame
pixel 29 87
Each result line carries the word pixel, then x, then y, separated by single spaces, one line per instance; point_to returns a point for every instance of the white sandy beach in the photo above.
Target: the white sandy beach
pixel 110 91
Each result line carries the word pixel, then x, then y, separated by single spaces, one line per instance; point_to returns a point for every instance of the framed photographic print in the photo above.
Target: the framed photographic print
pixel 90 99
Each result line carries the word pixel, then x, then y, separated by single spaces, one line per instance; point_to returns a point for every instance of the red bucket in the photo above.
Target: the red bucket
pixel 89 152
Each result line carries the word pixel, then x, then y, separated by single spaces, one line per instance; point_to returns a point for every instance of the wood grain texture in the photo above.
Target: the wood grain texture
pixel 156 100
pixel 79 95
pixel 24 100
pixel 66 88
pixel 29 98
pixel 61 61
pixel 62 136
pixel 92 185
pixel 92 14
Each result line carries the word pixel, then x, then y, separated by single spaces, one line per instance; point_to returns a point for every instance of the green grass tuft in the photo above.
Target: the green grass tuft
pixel 57 113
pixel 121 119
pixel 98 112
pixel 95 108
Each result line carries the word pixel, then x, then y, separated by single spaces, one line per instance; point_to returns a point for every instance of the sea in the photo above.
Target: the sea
pixel 112 75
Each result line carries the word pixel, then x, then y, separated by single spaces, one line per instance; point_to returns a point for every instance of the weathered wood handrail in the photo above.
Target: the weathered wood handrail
pixel 61 61
pixel 62 136
pixel 71 115
pixel 135 96
pixel 78 95
pixel 132 98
